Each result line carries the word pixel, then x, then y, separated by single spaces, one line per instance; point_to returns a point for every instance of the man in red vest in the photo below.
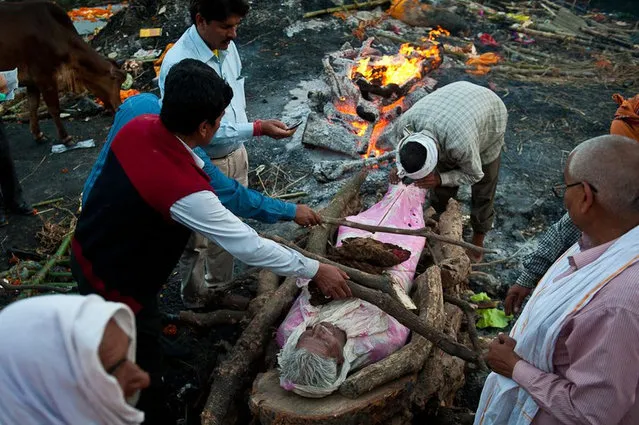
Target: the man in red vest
pixel 151 194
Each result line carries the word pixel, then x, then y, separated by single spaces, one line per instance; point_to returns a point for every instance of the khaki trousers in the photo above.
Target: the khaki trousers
pixel 204 265
pixel 482 211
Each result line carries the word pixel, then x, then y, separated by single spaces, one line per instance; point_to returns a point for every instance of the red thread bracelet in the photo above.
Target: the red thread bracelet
pixel 257 128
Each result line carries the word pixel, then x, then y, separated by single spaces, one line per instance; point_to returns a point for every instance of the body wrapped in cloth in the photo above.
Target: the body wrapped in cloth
pixel 371 334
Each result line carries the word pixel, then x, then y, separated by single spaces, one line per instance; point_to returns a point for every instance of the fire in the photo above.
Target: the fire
pixel 406 65
pixel 360 127
pixel 372 144
pixel 346 107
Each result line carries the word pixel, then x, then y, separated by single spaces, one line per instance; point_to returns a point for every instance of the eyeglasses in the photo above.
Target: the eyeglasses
pixel 559 190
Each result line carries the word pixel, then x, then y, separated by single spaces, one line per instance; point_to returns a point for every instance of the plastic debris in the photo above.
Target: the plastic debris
pixel 487 39
pixel 489 317
pixel 150 32
pixel 80 145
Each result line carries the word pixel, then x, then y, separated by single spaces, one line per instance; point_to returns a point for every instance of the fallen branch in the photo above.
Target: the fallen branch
pixel 370 3
pixel 425 232
pixel 291 195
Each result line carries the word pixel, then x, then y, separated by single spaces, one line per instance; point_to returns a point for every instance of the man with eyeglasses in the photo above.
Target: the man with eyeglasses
pixel 569 358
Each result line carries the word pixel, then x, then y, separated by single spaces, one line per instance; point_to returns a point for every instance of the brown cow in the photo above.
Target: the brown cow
pixel 40 40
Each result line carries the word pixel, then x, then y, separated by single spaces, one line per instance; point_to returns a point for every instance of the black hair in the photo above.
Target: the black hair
pixel 218 10
pixel 193 93
pixel 412 156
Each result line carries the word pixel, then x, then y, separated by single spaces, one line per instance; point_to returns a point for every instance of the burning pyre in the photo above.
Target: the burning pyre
pixel 371 90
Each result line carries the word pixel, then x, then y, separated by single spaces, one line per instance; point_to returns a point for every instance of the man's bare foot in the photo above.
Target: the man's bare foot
pixel 478 240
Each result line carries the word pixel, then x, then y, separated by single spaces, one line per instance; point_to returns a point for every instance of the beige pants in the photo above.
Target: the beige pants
pixel 204 265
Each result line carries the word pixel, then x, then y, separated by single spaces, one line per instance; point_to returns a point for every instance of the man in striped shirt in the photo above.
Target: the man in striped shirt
pixel 454 137
pixel 570 357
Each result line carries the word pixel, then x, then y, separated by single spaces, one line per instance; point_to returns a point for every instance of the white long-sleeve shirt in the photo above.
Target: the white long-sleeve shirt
pixel 203 212
pixel 234 129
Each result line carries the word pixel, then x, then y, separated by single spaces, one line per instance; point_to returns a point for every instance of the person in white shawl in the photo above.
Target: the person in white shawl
pixel 69 359
pixel 571 357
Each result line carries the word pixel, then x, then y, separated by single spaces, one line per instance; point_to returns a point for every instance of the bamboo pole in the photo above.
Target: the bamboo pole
pixel 370 3
pixel 62 250
pixel 47 202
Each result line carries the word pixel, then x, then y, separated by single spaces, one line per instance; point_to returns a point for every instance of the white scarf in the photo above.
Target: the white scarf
pixel 503 402
pixel 432 156
pixel 50 372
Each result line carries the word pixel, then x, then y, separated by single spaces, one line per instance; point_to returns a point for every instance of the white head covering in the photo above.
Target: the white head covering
pixel 432 155
pixel 50 372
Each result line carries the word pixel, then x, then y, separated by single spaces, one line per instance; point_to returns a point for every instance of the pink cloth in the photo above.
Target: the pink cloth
pixel 595 379
pixel 375 334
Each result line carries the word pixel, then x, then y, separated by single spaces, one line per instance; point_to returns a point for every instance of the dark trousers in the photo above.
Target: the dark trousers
pixel 482 210
pixel 149 354
pixel 11 191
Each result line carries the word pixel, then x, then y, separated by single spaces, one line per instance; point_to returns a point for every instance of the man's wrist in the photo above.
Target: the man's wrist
pixel 257 128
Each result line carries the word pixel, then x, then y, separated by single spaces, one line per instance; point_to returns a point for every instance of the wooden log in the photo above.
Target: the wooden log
pixel 410 358
pixel 442 375
pixel 273 405
pixel 393 307
pixel 455 263
pixel 335 208
pixel 229 377
pixel 267 284
pixel 333 170
pixel 207 320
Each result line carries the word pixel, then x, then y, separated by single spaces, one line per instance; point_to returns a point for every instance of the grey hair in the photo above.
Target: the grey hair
pixel 302 367
pixel 610 164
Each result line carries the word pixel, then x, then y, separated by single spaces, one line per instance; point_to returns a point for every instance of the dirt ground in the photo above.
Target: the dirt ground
pixel 545 123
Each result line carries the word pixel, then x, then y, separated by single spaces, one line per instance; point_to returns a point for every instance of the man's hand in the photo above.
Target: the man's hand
pixel 515 298
pixel 393 177
pixel 305 216
pixel 276 129
pixel 4 89
pixel 431 181
pixel 501 357
pixel 332 282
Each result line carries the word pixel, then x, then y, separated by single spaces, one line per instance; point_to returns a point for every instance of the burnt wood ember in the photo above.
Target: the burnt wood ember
pixel 366 113
pixel 319 132
pixel 367 89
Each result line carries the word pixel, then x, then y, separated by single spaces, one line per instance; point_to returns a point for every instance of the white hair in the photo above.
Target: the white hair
pixel 302 367
pixel 611 165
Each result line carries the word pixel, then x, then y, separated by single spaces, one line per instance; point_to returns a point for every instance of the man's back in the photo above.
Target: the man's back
pixel 457 114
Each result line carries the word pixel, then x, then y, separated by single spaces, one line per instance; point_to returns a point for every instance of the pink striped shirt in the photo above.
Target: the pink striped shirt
pixel 596 358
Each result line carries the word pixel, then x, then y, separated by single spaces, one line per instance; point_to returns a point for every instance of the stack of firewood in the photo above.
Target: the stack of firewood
pixel 430 368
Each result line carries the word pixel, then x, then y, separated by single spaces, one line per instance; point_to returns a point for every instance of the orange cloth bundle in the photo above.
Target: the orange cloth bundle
pixel 626 121
pixel 481 63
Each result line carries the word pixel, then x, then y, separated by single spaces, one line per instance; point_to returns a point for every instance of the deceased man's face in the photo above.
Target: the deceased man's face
pixel 324 339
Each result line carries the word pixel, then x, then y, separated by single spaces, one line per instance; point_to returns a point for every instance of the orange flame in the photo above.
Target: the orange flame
pixel 360 127
pixel 406 65
pixel 372 144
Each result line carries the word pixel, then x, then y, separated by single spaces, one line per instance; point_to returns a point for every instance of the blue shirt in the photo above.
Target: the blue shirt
pixel 241 201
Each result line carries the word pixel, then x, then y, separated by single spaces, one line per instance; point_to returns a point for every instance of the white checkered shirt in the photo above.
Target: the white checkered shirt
pixel 467 121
